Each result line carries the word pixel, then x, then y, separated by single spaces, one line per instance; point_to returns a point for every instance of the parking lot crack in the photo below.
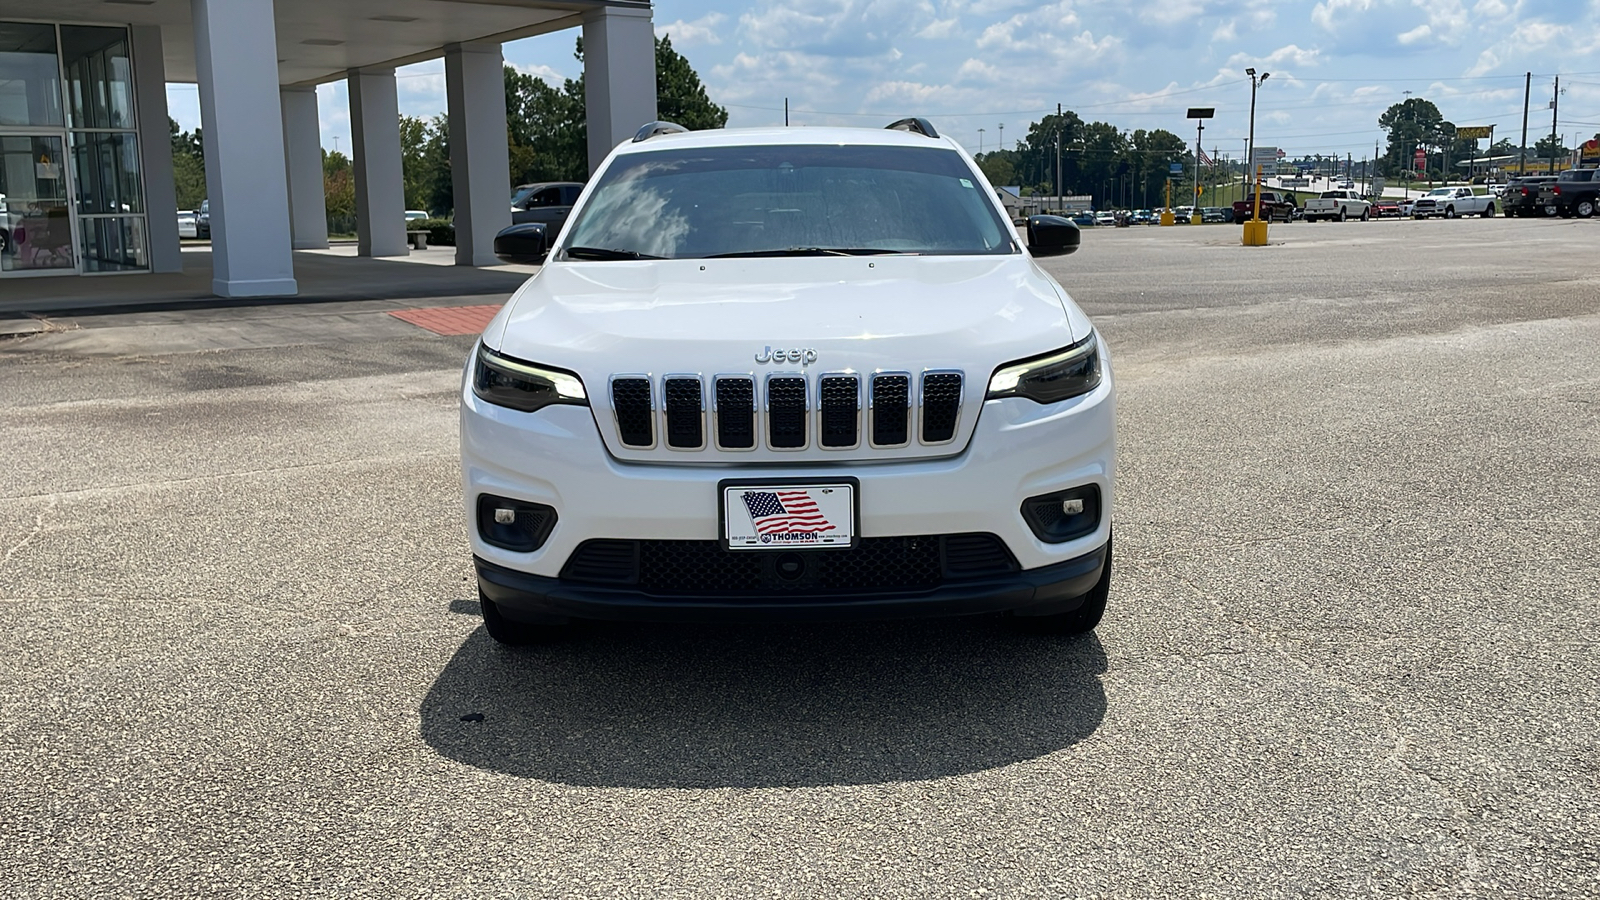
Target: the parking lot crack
pixel 31 536
pixel 1400 747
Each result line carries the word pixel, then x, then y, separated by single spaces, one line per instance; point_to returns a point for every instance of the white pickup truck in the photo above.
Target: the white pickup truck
pixel 1338 205
pixel 1451 202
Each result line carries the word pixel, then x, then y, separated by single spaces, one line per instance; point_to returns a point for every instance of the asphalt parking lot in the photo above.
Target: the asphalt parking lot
pixel 1350 649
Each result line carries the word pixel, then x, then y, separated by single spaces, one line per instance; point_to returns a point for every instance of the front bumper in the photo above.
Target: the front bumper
pixel 1050 590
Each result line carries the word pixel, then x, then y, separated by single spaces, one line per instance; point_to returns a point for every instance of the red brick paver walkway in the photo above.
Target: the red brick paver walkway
pixel 449 319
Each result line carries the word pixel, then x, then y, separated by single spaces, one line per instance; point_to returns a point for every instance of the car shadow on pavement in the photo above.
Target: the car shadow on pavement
pixel 765 706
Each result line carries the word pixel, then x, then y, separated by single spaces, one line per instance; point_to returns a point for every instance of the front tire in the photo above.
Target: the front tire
pixel 1449 212
pixel 1081 620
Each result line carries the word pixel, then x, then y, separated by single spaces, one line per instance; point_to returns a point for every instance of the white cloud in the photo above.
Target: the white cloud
pixel 542 72
pixel 1329 14
pixel 1419 33
pixel 939 29
pixel 703 30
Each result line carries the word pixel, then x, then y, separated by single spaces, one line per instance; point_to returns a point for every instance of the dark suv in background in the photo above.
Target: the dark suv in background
pixel 548 202
pixel 1575 193
pixel 1521 196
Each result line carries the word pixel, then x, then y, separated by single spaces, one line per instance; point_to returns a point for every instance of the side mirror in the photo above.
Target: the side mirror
pixel 522 245
pixel 1047 236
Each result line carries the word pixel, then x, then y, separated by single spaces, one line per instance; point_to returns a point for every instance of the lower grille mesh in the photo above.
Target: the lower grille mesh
pixel 704 569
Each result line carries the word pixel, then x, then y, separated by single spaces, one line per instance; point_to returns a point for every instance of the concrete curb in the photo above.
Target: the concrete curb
pixel 11 328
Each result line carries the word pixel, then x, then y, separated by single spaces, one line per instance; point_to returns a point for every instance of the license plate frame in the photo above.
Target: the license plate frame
pixel 737 530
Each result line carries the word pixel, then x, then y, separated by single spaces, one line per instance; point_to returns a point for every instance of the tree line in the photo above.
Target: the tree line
pixel 1417 123
pixel 546 132
pixel 1117 168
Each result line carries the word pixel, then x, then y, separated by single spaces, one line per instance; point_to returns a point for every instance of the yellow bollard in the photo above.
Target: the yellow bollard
pixel 1167 218
pixel 1255 233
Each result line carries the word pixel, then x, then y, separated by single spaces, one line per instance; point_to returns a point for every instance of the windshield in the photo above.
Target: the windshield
pixel 1579 175
pixel 694 203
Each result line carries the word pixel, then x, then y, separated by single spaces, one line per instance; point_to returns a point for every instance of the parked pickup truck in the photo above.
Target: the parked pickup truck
pixel 1340 205
pixel 1273 206
pixel 1451 202
pixel 1576 192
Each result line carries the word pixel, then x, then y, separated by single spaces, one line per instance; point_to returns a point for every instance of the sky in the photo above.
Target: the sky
pixel 982 70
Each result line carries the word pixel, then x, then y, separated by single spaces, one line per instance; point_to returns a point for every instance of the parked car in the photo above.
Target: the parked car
pixel 1576 192
pixel 1144 217
pixel 1215 214
pixel 187 227
pixel 1385 208
pixel 416 215
pixel 202 221
pixel 1105 217
pixel 1406 206
pixel 1453 202
pixel 1274 206
pixel 919 422
pixel 1523 197
pixel 549 202
pixel 1337 205
pixel 1084 219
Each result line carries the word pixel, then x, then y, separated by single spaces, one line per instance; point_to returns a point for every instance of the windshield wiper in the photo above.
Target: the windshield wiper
pixel 599 253
pixel 811 251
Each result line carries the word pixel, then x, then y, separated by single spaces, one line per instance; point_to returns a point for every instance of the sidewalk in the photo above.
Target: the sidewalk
pixel 344 299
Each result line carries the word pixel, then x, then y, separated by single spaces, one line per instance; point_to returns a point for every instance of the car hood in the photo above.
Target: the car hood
pixel 717 316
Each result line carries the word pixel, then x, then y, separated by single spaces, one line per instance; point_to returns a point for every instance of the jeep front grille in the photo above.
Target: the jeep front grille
pixel 789 411
pixel 630 399
pixel 786 412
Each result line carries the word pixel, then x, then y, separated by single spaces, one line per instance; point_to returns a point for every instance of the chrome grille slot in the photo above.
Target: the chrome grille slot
pixel 684 407
pixel 735 403
pixel 941 406
pixel 839 400
pixel 786 412
pixel 630 400
pixel 891 408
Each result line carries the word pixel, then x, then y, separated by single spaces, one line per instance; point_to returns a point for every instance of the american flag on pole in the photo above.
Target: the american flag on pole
pixel 785 512
pixel 1204 159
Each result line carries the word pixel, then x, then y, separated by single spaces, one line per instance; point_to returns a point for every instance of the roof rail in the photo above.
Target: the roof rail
pixel 915 125
pixel 653 129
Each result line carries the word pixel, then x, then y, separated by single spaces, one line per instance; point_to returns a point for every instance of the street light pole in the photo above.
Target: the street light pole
pixel 1255 230
pixel 980 141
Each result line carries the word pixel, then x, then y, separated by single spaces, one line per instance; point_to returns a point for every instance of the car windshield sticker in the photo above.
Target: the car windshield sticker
pixel 965 183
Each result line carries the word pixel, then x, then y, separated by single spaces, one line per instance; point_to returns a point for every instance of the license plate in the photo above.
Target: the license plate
pixel 789 516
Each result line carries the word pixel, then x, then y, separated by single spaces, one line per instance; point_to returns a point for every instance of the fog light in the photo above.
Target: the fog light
pixel 1063 516
pixel 514 524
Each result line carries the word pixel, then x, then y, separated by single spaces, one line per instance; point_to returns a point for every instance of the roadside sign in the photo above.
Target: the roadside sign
pixel 1474 132
pixel 1266 158
pixel 1590 150
pixel 1421 158
pixel 1176 168
pixel 1202 112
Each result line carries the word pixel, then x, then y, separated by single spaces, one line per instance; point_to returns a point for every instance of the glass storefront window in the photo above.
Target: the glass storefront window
pixel 106 168
pixel 99 76
pixel 30 83
pixel 35 218
pixel 114 244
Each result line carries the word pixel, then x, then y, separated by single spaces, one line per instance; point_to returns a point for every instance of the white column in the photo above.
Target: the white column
pixel 302 153
pixel 480 164
pixel 619 76
pixel 155 150
pixel 375 144
pixel 236 58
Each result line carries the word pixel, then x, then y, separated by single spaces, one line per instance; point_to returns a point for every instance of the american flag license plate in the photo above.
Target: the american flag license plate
pixel 788 516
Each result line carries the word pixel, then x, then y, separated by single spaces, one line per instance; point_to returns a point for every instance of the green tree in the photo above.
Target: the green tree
pixel 188 166
pixel 1409 125
pixel 680 97
pixel 548 131
pixel 999 167
pixel 339 192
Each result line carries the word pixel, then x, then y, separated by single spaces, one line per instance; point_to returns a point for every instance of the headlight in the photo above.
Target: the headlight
pixel 512 383
pixel 1052 377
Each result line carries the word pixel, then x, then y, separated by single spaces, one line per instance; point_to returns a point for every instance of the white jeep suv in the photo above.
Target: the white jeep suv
pixel 795 373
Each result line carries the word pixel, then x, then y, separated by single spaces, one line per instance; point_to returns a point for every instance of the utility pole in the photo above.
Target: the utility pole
pixel 1058 152
pixel 1555 103
pixel 980 141
pixel 1002 142
pixel 1527 95
pixel 786 112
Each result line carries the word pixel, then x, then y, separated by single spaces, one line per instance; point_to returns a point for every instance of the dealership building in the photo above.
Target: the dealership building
pixel 86 178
